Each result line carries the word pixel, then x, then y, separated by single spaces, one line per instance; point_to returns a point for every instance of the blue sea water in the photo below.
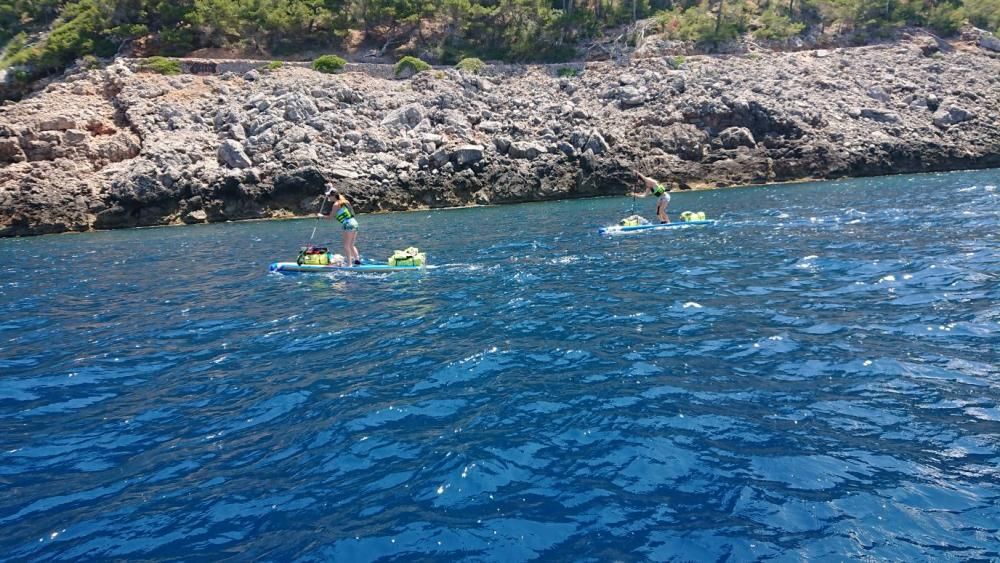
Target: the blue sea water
pixel 816 378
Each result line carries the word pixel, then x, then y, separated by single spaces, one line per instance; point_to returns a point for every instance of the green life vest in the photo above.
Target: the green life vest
pixel 344 214
pixel 659 190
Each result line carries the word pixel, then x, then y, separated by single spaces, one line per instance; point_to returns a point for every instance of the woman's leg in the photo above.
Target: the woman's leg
pixel 351 237
pixel 348 245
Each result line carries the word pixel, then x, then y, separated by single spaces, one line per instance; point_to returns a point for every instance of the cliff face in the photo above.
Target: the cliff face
pixel 113 148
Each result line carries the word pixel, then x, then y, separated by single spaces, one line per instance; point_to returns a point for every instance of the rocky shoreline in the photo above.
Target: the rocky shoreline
pixel 116 148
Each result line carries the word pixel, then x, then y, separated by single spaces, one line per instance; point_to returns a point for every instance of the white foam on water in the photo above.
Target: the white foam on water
pixel 564 260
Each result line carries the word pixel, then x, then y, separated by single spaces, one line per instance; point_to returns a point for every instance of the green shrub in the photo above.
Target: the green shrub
pixel 439 75
pixel 471 65
pixel 274 65
pixel 176 41
pixel 777 26
pixel 328 64
pixel 10 21
pixel 699 23
pixel 89 62
pixel 542 52
pixel 567 72
pixel 17 44
pixel 161 65
pixel 411 63
pixel 983 13
pixel 77 34
pixel 128 31
pixel 676 61
pixel 946 19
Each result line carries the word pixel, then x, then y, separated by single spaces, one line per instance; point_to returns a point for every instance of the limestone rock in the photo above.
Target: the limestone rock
pixel 143 149
pixel 10 151
pixel 933 102
pixel 502 144
pixel 74 137
pixel 439 157
pixel 56 123
pixel 525 150
pixel 196 216
pixel 878 93
pixel 596 144
pixel 405 117
pixel 343 173
pixel 989 42
pixel 952 115
pixel 231 153
pixel 880 116
pixel 467 154
pixel 737 137
pixel 299 107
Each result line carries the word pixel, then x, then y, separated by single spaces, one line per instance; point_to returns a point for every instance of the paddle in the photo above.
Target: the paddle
pixel 321 206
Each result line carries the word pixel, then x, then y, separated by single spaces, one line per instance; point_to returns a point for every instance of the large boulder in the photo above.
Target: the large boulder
pixel 933 102
pixel 628 79
pixel 467 154
pixel 348 95
pixel 299 107
pixel 880 116
pixel 231 154
pixel 439 157
pixel 683 139
pixel 596 144
pixel 989 42
pixel 952 115
pixel 502 144
pixel 74 137
pixel 630 96
pixel 489 126
pixel 405 117
pixel 56 123
pixel 737 137
pixel 525 150
pixel 878 93
pixel 10 150
pixel 195 216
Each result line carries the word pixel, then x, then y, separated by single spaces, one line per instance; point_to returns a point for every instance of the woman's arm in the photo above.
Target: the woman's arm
pixel 648 182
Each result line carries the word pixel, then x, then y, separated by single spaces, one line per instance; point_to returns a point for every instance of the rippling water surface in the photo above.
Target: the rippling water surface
pixel 817 377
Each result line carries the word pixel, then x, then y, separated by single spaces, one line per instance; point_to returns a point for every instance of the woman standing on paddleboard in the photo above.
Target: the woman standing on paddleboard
pixel 341 210
pixel 662 199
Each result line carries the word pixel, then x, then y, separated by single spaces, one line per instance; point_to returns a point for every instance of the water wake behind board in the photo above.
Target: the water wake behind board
pixel 623 230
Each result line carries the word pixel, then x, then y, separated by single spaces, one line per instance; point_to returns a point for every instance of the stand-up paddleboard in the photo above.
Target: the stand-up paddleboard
pixel 295 268
pixel 622 230
pixel 317 259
